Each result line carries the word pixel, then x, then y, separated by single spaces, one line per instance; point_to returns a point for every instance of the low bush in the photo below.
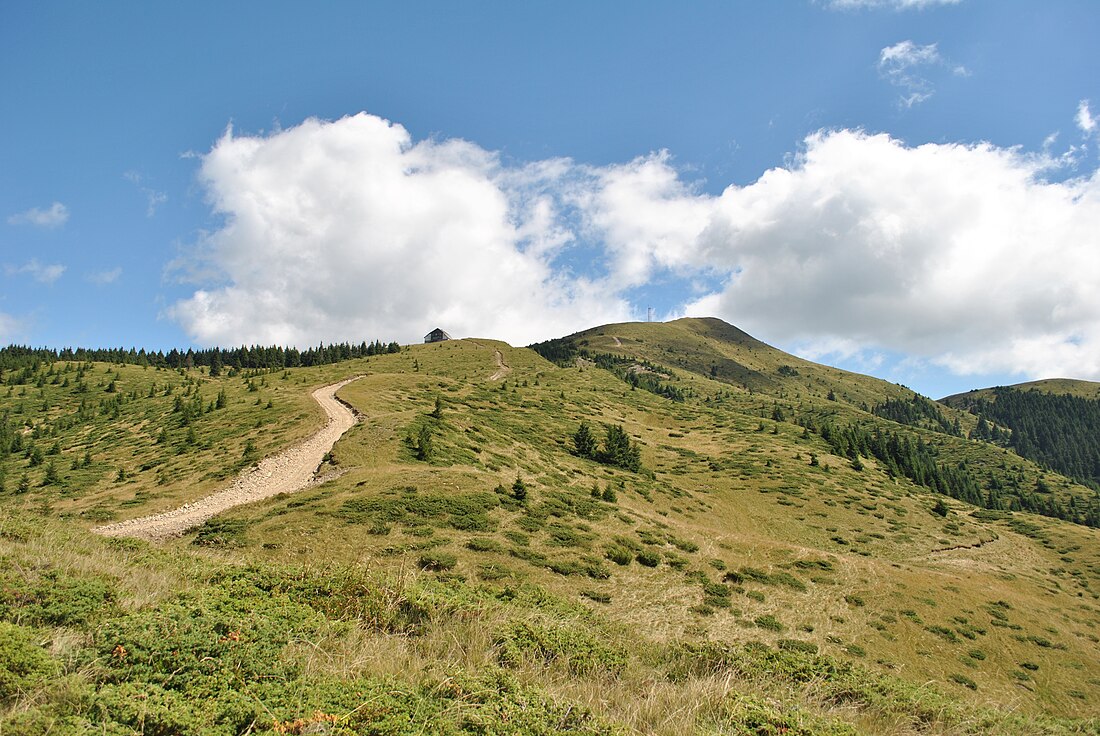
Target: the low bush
pixel 581 651
pixel 648 558
pixel 619 555
pixel 24 664
pixel 437 561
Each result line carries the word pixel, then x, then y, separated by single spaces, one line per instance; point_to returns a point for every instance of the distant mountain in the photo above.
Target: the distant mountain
pixel 714 349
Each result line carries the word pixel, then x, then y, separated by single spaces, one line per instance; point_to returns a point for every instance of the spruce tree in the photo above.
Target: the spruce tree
pixel 585 442
pixel 519 489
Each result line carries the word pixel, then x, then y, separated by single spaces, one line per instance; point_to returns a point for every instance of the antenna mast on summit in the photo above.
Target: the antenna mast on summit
pixel 649 314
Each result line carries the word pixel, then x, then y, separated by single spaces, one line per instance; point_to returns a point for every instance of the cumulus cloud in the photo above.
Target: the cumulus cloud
pixel 1086 121
pixel 902 65
pixel 964 255
pixel 40 272
pixel 55 216
pixel 350 230
pixel 645 216
pixel 977 258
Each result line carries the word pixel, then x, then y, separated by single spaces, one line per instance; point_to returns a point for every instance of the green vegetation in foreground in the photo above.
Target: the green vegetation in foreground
pixel 218 648
pixel 469 566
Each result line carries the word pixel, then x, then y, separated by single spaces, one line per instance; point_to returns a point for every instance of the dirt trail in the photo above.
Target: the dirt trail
pixel 503 369
pixel 618 342
pixel 285 472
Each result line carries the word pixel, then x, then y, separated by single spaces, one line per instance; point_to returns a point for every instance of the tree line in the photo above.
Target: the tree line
pixel 918 411
pixel 16 360
pixel 1057 431
pixel 904 456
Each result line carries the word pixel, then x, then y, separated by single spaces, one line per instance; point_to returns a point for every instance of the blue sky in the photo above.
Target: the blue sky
pixel 902 188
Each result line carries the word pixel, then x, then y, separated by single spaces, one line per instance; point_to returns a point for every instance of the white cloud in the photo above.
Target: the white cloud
pixel 350 230
pixel 104 277
pixel 1086 121
pixel 40 272
pixel 900 64
pixel 153 198
pixel 893 4
pixel 56 216
pixel 906 54
pixel 963 255
pixel 646 217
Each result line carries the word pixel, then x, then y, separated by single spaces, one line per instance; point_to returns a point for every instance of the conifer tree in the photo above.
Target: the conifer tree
pixel 585 442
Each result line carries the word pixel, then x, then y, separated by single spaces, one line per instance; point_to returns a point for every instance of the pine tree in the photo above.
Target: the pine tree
pixel 585 442
pixel 424 443
pixel 519 489
pixel 52 478
pixel 619 450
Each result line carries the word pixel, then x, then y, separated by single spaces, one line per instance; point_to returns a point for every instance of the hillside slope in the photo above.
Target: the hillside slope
pixel 465 561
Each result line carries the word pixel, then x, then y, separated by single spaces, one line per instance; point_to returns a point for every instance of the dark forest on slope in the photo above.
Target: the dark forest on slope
pixel 1059 431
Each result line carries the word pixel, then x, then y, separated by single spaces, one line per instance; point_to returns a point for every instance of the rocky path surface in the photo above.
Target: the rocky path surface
pixel 285 472
pixel 503 369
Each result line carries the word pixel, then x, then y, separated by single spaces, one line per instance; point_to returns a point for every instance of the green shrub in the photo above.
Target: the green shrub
pixel 490 572
pixel 218 532
pixel 24 664
pixel 748 714
pixel 675 561
pixel 437 561
pixel 561 535
pixel 619 555
pixel 54 598
pixel 944 633
pixel 684 545
pixel 797 645
pixel 583 652
pixel 963 680
pixel 648 558
pixel 566 567
pixel 482 544
pixel 716 595
pixel 769 622
pixel 596 570
pixel 597 596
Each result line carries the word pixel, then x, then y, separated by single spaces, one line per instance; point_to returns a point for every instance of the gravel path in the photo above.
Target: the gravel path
pixel 503 369
pixel 285 472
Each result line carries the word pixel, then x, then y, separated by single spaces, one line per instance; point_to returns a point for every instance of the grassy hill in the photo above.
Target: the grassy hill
pixel 748 579
pixel 1057 386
